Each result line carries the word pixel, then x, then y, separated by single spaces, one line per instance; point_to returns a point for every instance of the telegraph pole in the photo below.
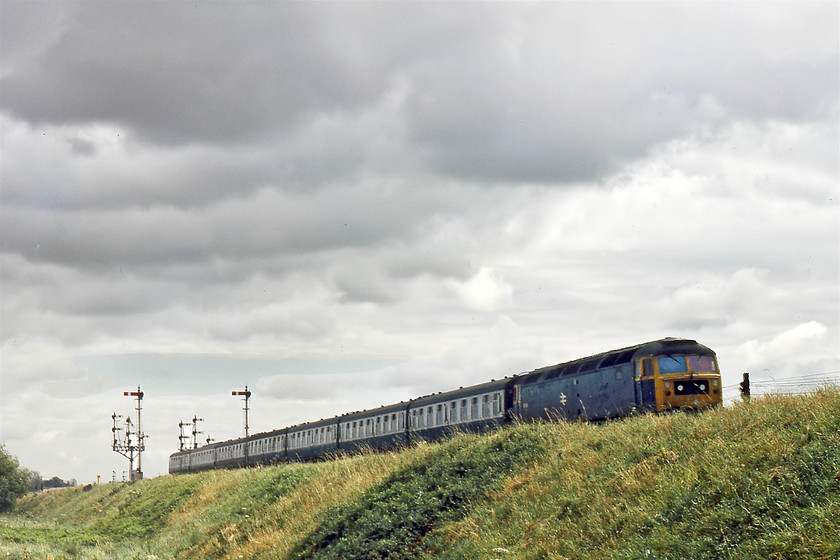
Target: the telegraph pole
pixel 247 394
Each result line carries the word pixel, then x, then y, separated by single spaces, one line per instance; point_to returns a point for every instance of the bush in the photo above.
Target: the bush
pixel 14 481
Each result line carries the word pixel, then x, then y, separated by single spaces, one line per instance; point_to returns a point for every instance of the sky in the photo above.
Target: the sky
pixel 344 205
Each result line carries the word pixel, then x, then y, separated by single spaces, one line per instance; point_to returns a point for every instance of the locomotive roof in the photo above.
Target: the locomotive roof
pixel 664 346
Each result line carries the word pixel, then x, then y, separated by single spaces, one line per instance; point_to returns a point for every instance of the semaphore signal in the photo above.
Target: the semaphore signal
pixel 132 443
pixel 247 394
pixel 183 438
pixel 196 431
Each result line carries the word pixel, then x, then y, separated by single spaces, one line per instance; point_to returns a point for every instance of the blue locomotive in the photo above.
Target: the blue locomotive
pixel 666 374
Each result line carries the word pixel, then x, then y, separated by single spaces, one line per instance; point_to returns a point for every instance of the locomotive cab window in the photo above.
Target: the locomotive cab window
pixel 704 364
pixel 672 364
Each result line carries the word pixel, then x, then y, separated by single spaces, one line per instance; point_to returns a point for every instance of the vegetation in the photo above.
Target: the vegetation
pixel 14 480
pixel 37 483
pixel 757 480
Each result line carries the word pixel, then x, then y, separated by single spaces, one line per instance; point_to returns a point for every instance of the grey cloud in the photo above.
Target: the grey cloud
pixel 544 93
pixel 96 168
pixel 177 73
pixel 582 94
pixel 268 223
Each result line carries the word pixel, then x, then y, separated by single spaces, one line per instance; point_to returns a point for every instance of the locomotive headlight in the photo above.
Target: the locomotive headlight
pixel 702 386
pixel 680 388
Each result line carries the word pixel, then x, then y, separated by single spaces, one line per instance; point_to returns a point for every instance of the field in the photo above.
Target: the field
pixel 750 480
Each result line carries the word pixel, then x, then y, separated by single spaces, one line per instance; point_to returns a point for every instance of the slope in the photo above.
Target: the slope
pixel 752 480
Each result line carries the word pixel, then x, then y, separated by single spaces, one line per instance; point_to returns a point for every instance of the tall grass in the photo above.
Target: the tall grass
pixel 757 480
pixel 751 481
pixel 394 518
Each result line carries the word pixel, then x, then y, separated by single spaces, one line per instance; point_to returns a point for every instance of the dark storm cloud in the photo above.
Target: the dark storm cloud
pixel 520 92
pixel 259 230
pixel 193 73
pixel 589 87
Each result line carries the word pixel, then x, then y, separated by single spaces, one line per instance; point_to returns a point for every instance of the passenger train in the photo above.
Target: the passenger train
pixel 666 374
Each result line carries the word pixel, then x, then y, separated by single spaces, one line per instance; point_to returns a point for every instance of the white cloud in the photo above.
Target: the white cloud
pixel 806 348
pixel 485 291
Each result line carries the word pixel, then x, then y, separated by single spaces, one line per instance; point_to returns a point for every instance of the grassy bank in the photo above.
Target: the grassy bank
pixel 757 480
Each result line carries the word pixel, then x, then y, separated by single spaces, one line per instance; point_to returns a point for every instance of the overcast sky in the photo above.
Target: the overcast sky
pixel 344 205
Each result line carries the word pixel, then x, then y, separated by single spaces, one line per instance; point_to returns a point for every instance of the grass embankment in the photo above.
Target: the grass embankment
pixel 758 480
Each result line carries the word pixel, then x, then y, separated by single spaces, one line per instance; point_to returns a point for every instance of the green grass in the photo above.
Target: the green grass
pixel 758 480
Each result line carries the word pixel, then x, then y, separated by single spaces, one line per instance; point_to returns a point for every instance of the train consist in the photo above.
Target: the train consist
pixel 666 374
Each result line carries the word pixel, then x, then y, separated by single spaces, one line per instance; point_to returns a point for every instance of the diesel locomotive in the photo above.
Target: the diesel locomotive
pixel 666 374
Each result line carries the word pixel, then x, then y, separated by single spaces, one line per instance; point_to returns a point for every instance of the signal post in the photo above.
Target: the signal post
pixel 247 394
pixel 132 444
